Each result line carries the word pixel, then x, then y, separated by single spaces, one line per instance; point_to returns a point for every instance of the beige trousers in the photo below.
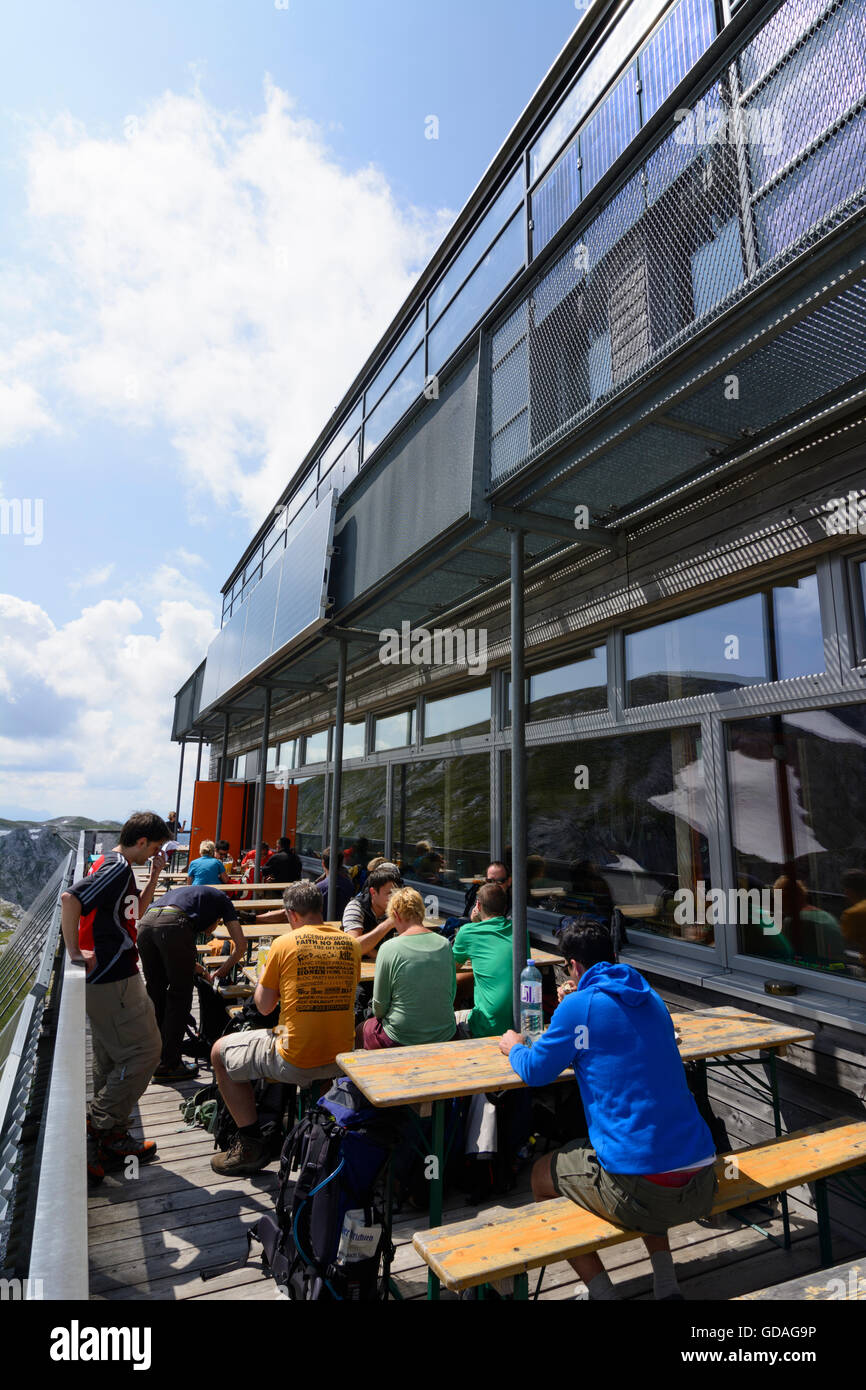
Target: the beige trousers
pixel 127 1047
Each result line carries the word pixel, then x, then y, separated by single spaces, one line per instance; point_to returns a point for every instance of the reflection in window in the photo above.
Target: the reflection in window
pixel 311 814
pixel 763 637
pixel 362 811
pixel 441 826
pixel 499 266
pixel 685 35
pixel 316 747
pixel 353 740
pixel 272 758
pixel 287 754
pixel 394 731
pixel 457 716
pixel 406 389
pixel 629 835
pixel 798 808
pixel 477 244
pixel 614 125
pixel 408 344
pixel 565 690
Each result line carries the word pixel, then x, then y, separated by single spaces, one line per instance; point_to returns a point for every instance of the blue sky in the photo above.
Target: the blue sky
pixel 164 360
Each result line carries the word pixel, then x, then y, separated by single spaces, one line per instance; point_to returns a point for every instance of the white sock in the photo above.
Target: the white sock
pixel 664 1274
pixel 601 1290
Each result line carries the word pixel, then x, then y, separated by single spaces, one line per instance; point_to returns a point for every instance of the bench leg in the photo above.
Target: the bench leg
pixel 822 1211
pixel 437 1183
pixel 521 1287
pixel 777 1121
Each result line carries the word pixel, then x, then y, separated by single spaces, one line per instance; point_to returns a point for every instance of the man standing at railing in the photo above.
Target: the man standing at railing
pixel 99 919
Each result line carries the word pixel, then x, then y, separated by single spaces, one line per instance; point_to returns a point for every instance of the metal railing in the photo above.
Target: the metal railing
pixel 43 1175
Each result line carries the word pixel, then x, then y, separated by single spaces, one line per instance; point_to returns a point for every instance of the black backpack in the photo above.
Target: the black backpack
pixel 329 1238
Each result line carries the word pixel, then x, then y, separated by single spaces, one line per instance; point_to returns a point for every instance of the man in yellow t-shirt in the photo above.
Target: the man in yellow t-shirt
pixel 312 973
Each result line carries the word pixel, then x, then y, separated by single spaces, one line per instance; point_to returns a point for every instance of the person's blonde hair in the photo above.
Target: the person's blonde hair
pixel 407 904
pixel 208 848
pixel 374 863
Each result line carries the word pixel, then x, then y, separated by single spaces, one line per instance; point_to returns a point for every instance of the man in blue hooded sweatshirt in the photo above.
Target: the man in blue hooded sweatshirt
pixel 648 1163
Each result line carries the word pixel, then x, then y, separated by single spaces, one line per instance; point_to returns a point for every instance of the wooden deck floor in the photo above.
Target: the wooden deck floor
pixel 178 1232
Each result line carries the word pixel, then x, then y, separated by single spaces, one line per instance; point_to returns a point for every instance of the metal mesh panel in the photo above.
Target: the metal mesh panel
pixel 807 361
pixel 768 160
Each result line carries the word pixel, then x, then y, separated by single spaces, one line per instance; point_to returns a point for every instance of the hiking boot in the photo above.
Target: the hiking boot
pixel 246 1155
pixel 184 1071
pixel 118 1145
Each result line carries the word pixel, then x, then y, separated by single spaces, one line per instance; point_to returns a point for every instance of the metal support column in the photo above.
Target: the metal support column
pixel 223 760
pixel 198 760
pixel 179 785
pixel 263 783
pixel 518 770
pixel 337 781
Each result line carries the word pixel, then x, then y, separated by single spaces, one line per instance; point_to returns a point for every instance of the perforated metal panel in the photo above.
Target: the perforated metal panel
pixel 287 606
pixel 769 160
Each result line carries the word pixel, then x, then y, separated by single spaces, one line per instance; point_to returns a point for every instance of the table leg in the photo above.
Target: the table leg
pixel 437 1184
pixel 777 1121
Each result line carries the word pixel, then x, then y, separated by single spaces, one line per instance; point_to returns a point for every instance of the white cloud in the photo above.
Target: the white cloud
pixel 219 276
pixel 87 707
pixel 93 579
pixel 22 413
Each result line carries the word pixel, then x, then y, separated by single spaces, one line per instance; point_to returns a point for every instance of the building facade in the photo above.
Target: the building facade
pixel 610 454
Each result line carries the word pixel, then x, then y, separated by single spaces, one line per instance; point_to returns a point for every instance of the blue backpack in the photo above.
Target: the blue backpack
pixel 329 1238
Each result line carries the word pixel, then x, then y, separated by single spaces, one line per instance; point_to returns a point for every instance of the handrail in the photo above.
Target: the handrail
pixel 24 1059
pixel 59 1252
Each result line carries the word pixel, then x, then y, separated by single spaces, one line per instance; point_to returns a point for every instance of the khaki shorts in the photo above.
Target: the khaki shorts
pixel 255 1056
pixel 627 1200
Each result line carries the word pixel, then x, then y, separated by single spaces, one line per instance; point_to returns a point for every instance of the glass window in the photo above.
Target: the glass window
pixel 272 758
pixel 674 49
pixel 797 625
pixel 798 808
pixel 287 754
pixel 316 747
pixel 441 829
pixel 556 198
pixel 305 489
pixel 311 814
pixel 477 244
pixel 593 81
pixel 619 822
pixel 565 690
pixel 406 390
pixel 345 433
pixel 362 811
pixel 495 272
pixel 408 344
pixel 457 716
pixel 729 646
pixel 614 125
pixel 394 731
pixel 353 740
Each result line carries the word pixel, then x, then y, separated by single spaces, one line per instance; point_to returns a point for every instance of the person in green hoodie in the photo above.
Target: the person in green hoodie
pixel 486 941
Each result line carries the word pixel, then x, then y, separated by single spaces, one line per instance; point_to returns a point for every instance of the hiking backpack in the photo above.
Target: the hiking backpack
pixel 329 1237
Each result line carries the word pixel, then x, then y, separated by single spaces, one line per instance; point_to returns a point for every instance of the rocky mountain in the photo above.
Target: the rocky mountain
pixel 28 858
pixel 61 824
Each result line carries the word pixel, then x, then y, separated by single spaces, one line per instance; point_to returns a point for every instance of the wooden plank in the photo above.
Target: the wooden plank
pixel 823 1285
pixel 412 1075
pixel 469 1252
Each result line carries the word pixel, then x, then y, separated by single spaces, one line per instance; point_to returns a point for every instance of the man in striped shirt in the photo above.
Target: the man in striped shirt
pixel 99 918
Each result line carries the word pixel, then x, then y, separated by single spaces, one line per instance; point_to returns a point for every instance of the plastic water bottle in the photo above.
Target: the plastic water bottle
pixel 531 1016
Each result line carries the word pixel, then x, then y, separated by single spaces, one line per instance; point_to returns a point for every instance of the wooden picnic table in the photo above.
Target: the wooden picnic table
pixel 251 930
pixel 438 1072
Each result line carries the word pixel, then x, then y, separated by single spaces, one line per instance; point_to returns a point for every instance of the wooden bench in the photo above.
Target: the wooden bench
pixel 845 1282
pixel 470 1253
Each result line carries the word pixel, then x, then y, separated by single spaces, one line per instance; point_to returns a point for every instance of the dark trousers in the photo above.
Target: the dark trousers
pixel 168 959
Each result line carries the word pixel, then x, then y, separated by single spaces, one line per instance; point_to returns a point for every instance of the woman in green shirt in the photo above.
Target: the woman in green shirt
pixel 415 982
